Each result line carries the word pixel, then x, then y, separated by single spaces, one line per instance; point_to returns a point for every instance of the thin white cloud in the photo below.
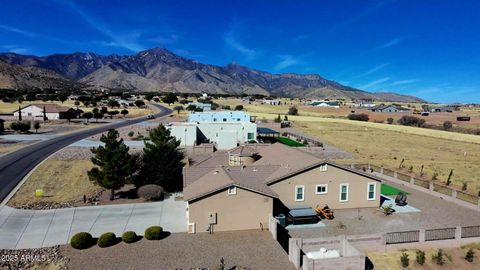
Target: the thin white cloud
pixel 390 43
pixel 286 61
pixel 233 42
pixel 17 30
pixel 167 39
pixel 402 82
pixel 299 38
pixel 374 69
pixel 375 83
pixel 15 49
pixel 129 41
pixel 362 14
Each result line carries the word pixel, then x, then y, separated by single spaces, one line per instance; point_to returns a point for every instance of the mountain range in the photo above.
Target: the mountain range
pixel 161 70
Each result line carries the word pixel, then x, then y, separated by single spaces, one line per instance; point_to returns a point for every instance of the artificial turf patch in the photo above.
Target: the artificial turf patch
pixel 289 142
pixel 388 190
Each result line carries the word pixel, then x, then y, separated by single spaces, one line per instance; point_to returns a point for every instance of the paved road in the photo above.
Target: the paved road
pixel 21 228
pixel 14 166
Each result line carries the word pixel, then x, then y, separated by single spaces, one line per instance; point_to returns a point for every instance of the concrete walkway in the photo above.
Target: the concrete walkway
pixel 21 228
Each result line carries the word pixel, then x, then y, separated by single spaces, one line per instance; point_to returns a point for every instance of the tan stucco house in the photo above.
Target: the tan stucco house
pixel 240 189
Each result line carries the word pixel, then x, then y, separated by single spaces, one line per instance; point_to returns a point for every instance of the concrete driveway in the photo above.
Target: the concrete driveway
pixel 42 228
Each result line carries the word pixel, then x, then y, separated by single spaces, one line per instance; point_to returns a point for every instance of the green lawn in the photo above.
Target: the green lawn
pixel 388 190
pixel 289 142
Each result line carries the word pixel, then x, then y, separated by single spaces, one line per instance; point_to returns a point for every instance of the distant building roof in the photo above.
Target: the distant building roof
pixel 49 108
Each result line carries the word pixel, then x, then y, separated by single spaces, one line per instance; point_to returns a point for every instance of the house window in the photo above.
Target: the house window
pixel 214 119
pixel 299 193
pixel 232 190
pixel 238 119
pixel 321 189
pixel 371 191
pixel 250 135
pixel 323 167
pixel 224 119
pixel 344 192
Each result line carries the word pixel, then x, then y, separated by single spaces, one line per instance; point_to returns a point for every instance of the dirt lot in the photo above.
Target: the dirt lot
pixel 61 181
pixel 391 260
pixel 387 148
pixel 269 112
pixel 251 249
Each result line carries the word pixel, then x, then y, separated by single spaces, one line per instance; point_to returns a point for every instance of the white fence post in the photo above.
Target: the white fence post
pixel 458 233
pixel 421 236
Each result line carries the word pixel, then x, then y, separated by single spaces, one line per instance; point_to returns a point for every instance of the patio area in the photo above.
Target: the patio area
pixel 423 211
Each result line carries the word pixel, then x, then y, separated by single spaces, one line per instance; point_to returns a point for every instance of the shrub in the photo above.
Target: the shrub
pixel 408 120
pixel 277 119
pixel 438 257
pixel 404 260
pixel 239 108
pixel 131 133
pixel 358 117
pixel 81 240
pixel 107 239
pixel 129 237
pixel 21 126
pixel 154 233
pixel 150 192
pixel 464 186
pixel 390 120
pixel 292 111
pixel 447 125
pixel 420 257
pixel 226 107
pixel 470 255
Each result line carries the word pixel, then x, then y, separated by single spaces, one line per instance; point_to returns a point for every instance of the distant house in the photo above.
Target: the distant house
pixel 52 112
pixel 220 116
pixel 199 105
pixel 443 109
pixel 271 101
pixel 364 105
pixel 242 188
pixel 389 109
pixel 322 103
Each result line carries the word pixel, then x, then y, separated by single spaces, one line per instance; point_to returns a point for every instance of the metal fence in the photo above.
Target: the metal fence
pixel 403 177
pixel 439 234
pixel 442 189
pixel 402 237
pixel 422 183
pixel 461 195
pixel 470 231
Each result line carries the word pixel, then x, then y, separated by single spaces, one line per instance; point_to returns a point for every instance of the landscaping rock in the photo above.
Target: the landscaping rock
pixel 28 258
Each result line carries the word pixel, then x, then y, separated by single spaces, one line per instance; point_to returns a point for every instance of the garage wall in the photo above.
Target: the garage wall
pixel 243 211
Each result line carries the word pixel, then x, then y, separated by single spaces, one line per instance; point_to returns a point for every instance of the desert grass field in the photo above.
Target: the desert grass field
pixel 61 181
pixel 390 260
pixel 383 144
pixel 344 111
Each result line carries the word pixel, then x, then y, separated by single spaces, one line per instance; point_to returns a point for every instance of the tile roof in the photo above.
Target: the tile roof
pixel 277 162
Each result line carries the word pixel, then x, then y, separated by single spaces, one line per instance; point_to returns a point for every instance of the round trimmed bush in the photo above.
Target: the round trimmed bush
pixel 154 233
pixel 150 192
pixel 107 239
pixel 81 240
pixel 129 237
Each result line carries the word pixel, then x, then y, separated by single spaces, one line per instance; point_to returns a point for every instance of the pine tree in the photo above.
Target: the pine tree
pixel 162 163
pixel 115 166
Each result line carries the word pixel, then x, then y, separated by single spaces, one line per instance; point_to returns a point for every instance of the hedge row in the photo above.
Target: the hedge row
pixel 83 240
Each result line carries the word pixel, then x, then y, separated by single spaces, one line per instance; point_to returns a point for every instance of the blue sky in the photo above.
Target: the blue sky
pixel 426 48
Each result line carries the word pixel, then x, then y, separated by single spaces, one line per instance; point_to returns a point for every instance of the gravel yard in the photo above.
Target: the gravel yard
pixel 249 249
